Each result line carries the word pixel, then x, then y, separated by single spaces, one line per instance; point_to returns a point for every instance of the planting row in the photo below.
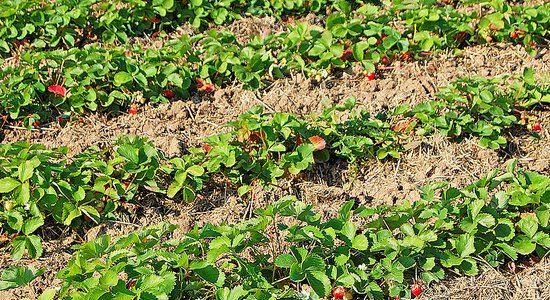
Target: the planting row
pixel 287 251
pixel 58 83
pixel 40 24
pixel 41 185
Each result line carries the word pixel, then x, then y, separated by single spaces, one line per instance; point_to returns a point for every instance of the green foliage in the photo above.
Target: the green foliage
pixel 366 249
pixel 39 184
pixel 113 78
pixel 14 277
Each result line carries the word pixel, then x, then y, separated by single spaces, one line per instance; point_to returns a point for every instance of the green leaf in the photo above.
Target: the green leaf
pixel 34 245
pixel 320 282
pixel 18 247
pixel 529 76
pixel 243 189
pixel 26 170
pixel 109 278
pixel 285 261
pixel 129 152
pixel 475 207
pixel 236 293
pixel 486 220
pixel 523 245
pixel 208 272
pixel 32 224
pixel 313 262
pixel 8 184
pixel 427 263
pixel 18 276
pixel 528 225
pixel 504 230
pixel 48 294
pixel 469 267
pixel 360 242
pixel 195 170
pixel 465 245
pixel 509 250
pixel 122 78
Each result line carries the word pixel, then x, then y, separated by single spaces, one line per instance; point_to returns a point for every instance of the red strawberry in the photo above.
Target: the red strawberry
pixel 205 87
pixel 537 126
pixel 371 75
pixel 346 54
pixel 416 290
pixel 133 109
pixel 126 185
pixel 58 90
pixel 339 292
pixel 206 148
pixel 318 142
pixel 514 35
pixel 168 94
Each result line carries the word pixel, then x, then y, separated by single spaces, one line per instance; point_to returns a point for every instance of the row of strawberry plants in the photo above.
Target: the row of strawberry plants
pixel 93 77
pixel 40 24
pixel 288 251
pixel 39 184
pixel 64 22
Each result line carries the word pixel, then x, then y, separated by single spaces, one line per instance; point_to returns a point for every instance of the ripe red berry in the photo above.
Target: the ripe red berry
pixel 339 292
pixel 385 60
pixel 416 290
pixel 57 90
pixel 371 75
pixel 533 45
pixel 168 94
pixel 514 35
pixel 206 148
pixel 537 126
pixel 318 142
pixel 36 124
pixel 346 54
pixel 133 109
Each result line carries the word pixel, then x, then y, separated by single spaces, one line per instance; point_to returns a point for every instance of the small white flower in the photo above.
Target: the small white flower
pixel 304 295
pixel 362 267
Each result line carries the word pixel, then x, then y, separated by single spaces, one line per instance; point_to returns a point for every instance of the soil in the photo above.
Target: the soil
pixel 184 123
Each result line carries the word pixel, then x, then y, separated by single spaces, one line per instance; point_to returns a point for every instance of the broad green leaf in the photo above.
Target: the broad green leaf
pixel 26 170
pixel 34 246
pixel 528 225
pixel 195 170
pixel 360 242
pixel 465 245
pixel 320 282
pixel 208 272
pixel 285 261
pixel 504 230
pixel 32 224
pixel 122 78
pixel 13 277
pixel 8 184
pixel 523 244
